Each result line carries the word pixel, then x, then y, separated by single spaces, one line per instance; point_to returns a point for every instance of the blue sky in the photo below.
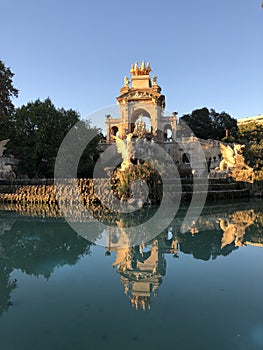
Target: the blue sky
pixel 204 52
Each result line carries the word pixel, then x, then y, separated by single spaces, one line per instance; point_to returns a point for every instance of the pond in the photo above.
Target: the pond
pixel 199 289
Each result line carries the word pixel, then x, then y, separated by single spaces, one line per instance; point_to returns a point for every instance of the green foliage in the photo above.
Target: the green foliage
pixel 254 155
pixel 7 90
pixel 251 135
pixel 250 132
pixel 122 181
pixel 38 129
pixel 259 178
pixel 207 124
pixel 89 156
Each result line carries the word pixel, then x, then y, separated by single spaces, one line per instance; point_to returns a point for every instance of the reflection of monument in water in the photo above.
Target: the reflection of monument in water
pixel 236 229
pixel 142 268
pixel 217 232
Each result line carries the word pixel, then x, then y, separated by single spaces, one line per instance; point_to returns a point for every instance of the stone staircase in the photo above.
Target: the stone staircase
pixel 216 189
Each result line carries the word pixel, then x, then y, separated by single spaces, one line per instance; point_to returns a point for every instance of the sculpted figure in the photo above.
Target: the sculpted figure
pixel 126 81
pixel 125 148
pixel 154 80
pixel 228 160
pixel 136 69
pixel 140 127
pixel 148 69
pixel 232 158
pixel 132 69
pixel 143 68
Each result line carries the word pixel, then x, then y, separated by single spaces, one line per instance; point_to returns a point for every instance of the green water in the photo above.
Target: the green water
pixel 204 287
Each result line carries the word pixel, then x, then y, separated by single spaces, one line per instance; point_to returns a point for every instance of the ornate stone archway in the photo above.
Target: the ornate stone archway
pixel 141 95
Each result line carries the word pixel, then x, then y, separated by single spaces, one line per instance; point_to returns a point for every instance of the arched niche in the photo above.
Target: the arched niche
pixel 167 131
pixel 186 158
pixel 114 130
pixel 144 115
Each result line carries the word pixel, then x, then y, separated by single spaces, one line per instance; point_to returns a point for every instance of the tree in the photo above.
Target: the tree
pixel 251 135
pixel 250 132
pixel 207 124
pixel 254 155
pixel 38 130
pixel 90 156
pixel 7 92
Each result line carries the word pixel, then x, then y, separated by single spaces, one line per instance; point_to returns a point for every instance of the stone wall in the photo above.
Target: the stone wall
pixel 44 192
pixel 7 186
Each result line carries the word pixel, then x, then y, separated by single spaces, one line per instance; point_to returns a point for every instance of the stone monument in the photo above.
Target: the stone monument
pixel 140 96
pixel 6 171
pixel 233 163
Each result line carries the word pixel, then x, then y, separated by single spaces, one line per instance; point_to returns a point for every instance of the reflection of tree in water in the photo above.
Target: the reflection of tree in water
pixel 37 248
pixel 254 233
pixel 204 245
pixel 7 284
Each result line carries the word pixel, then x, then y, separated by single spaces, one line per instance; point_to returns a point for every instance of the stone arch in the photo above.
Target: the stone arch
pixel 146 118
pixel 186 158
pixel 167 131
pixel 137 112
pixel 114 130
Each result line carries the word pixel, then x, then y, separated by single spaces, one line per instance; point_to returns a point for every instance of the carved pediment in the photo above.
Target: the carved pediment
pixel 140 95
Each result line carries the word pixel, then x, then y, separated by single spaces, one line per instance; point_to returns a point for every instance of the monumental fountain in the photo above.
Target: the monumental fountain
pixel 182 160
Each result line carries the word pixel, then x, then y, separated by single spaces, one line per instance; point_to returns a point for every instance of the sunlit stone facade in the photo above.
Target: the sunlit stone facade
pixel 140 103
pixel 141 97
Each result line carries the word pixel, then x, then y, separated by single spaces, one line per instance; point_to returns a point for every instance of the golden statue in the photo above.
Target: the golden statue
pixel 143 67
pixel 154 80
pixel 132 71
pixel 148 69
pixel 136 68
pixel 142 70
